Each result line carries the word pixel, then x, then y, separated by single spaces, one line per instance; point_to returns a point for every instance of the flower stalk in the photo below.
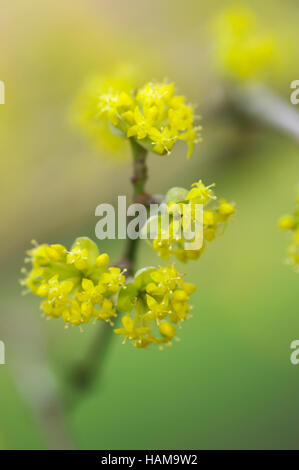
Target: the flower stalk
pixel 139 176
pixel 84 375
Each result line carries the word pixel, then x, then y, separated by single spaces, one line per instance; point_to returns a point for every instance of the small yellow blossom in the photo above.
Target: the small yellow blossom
pixel 200 194
pixel 129 330
pixel 90 292
pixel 287 222
pixel 103 260
pixel 167 330
pixel 78 257
pixel 113 279
pixel 143 123
pixel 106 311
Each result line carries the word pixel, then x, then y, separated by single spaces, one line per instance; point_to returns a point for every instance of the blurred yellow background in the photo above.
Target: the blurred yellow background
pixel 229 383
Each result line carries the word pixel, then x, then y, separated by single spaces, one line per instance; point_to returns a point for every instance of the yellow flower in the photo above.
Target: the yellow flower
pixel 129 330
pixel 106 311
pixel 103 260
pixel 78 257
pixel 180 116
pixel 112 279
pixel 72 314
pixel 287 222
pixel 55 252
pixel 158 94
pixel 167 330
pixel 200 194
pixel 225 209
pixel 163 247
pixel 156 309
pixel 163 140
pixel 90 292
pixel 143 124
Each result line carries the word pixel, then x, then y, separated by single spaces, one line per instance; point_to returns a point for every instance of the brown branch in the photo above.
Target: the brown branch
pixel 262 104
pixel 83 377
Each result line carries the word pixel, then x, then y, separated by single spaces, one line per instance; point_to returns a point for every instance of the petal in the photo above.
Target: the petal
pixel 87 285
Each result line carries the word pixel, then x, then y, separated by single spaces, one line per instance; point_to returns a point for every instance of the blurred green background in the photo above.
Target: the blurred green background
pixel 229 383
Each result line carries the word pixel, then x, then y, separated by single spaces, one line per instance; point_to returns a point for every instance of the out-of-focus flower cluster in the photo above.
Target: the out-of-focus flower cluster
pixel 183 218
pixel 85 113
pixel 152 115
pixel 155 303
pixel 243 51
pixel 76 285
pixel 291 223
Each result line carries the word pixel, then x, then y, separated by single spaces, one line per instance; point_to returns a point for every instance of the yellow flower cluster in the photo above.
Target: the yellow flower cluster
pixel 291 223
pixel 76 285
pixel 182 209
pixel 153 115
pixel 243 52
pixel 154 303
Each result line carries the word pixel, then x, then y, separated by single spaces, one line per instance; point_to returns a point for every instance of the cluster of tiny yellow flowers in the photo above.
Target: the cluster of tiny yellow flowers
pixel 243 52
pixel 182 209
pixel 152 115
pixel 291 223
pixel 155 303
pixel 76 285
